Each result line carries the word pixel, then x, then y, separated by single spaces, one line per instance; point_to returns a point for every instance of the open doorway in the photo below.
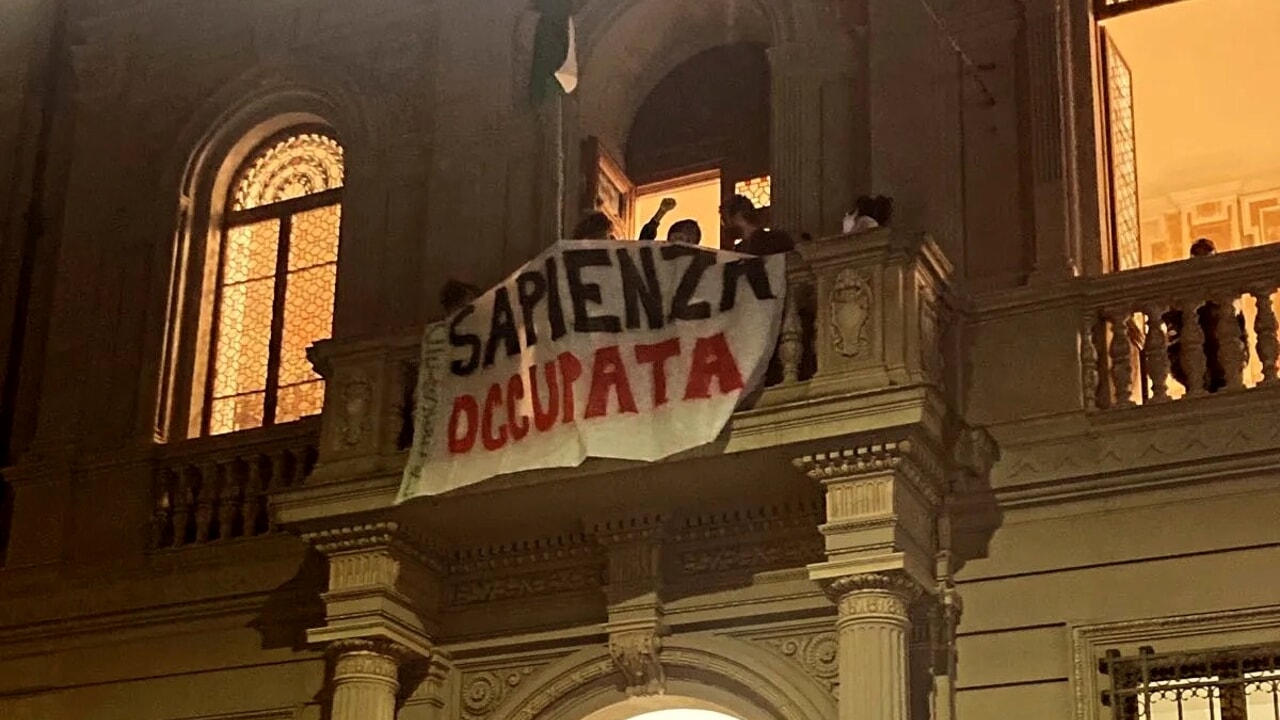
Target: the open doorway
pixel 1189 109
pixel 699 135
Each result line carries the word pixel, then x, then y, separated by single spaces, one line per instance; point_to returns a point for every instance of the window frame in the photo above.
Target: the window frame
pixel 283 212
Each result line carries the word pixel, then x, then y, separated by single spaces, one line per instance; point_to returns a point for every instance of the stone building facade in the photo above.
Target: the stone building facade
pixel 978 491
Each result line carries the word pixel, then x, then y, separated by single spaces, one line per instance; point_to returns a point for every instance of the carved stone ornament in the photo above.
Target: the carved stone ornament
pixel 357 397
pixel 818 654
pixel 874 594
pixel 849 310
pixel 483 691
pixel 636 655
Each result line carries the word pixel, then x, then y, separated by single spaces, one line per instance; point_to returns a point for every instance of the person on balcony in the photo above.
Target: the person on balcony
pixel 594 226
pixel 868 213
pixel 1215 376
pixel 741 221
pixel 682 231
pixel 456 294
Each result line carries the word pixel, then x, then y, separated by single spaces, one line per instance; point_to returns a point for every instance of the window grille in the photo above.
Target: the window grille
pixel 276 276
pixel 1234 684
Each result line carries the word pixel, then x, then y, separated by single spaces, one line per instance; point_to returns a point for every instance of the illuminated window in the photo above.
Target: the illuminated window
pixel 275 287
pixel 1228 684
pixel 697 198
pixel 757 189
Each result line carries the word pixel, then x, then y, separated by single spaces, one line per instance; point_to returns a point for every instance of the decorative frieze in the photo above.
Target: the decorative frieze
pixel 764 555
pixel 524 586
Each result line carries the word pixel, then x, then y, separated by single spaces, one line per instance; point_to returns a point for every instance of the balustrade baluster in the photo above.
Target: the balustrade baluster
pixel 207 498
pixel 1191 348
pixel 229 500
pixel 1231 348
pixel 1089 360
pixel 791 339
pixel 1121 358
pixel 277 479
pixel 1155 352
pixel 249 512
pixel 184 498
pixel 1265 326
pixel 162 515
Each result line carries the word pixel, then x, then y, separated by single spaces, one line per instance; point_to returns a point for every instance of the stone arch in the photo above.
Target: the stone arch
pixel 210 148
pixel 727 674
pixel 627 47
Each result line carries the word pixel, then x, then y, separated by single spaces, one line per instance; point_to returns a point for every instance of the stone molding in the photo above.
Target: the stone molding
pixel 907 458
pixel 374 536
pixel 773 683
pixel 535 583
pixel 1090 641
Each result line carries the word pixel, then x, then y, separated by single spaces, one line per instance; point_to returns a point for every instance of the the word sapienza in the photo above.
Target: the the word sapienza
pixel 554 391
pixel 634 273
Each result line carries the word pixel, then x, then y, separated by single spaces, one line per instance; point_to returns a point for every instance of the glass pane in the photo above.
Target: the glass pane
pixel 299 165
pixel 249 252
pixel 244 337
pixel 297 401
pixel 757 189
pixel 239 412
pixel 308 317
pixel 314 237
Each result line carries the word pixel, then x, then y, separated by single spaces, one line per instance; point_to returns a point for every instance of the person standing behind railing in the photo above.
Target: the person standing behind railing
pixel 1210 313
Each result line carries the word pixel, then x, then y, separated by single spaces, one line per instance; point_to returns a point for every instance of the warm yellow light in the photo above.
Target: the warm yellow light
pixel 698 200
pixel 683 715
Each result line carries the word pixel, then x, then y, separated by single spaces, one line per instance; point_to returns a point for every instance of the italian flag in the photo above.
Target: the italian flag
pixel 555 53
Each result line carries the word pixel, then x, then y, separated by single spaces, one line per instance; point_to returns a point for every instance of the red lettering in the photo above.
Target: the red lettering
pixel 464 407
pixel 657 355
pixel 570 371
pixel 516 423
pixel 492 401
pixel 544 419
pixel 712 359
pixel 607 371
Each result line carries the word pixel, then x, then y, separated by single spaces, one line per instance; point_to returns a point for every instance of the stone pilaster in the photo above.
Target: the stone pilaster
pixel 381 607
pixel 366 679
pixel 872 628
pixel 820 131
pixel 633 591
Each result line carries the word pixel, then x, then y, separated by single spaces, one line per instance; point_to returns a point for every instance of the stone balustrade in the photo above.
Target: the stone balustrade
pixel 866 315
pixel 1199 327
pixel 215 489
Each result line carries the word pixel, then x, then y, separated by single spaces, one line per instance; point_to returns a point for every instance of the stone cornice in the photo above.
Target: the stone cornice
pixel 565 547
pixel 754 521
pixel 376 535
pixel 910 459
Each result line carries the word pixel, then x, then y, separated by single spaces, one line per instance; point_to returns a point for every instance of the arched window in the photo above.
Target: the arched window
pixel 276 271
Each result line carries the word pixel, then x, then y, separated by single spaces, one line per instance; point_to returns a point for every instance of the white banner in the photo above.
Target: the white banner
pixel 601 348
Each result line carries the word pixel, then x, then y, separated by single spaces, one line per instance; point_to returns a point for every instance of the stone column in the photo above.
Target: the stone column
pixel 365 679
pixel 872 626
pixel 634 594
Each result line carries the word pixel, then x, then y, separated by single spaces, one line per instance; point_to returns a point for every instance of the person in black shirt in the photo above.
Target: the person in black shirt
pixel 741 221
pixel 1210 315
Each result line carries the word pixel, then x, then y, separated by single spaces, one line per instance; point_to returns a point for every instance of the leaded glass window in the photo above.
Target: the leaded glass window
pixel 276 275
pixel 757 189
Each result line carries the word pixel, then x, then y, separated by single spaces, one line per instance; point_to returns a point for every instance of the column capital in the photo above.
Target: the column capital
pixel 897 584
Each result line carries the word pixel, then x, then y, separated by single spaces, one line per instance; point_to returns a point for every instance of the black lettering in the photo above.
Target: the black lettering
pixel 555 310
pixel 699 262
pixel 502 327
pixel 588 292
pixel 640 290
pixel 467 340
pixel 753 269
pixel 531 287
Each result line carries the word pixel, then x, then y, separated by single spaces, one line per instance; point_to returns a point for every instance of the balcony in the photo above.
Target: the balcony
pixel 868 349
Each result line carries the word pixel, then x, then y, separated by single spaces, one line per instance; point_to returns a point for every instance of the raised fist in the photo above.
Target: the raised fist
pixel 667 204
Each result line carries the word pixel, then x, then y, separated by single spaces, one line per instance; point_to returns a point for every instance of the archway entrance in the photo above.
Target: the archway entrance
pixel 683 714
pixel 665 707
